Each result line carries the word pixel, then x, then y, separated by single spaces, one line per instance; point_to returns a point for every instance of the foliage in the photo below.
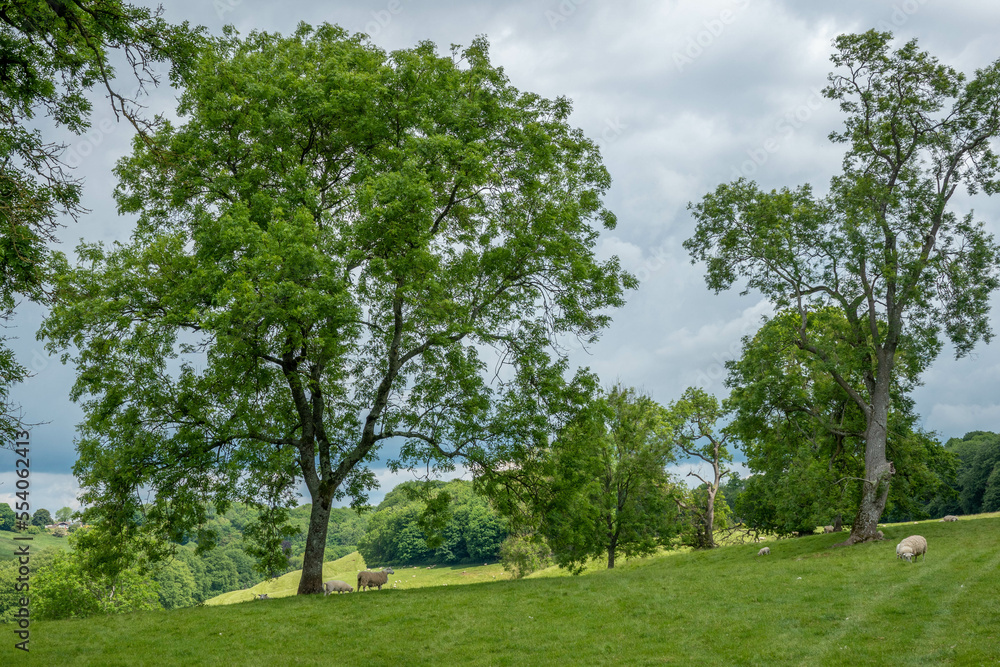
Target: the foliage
pixel 804 436
pixel 41 518
pixel 599 489
pixel 51 54
pixel 70 586
pixel 974 485
pixel 337 233
pixel 521 555
pixel 694 422
pixel 176 585
pixel 884 248
pixel 64 514
pixel 397 532
pixel 8 520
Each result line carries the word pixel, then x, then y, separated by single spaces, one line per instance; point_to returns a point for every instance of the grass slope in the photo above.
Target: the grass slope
pixel 806 604
pixel 347 568
pixel 8 544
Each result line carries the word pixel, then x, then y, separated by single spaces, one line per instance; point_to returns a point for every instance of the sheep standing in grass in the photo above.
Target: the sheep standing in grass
pixel 766 551
pixel 336 586
pixel 367 578
pixel 950 517
pixel 911 547
pixel 827 529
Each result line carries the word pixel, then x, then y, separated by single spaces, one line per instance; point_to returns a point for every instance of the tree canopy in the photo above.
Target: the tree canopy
pixel 600 489
pixel 51 54
pixel 804 437
pixel 886 246
pixel 332 248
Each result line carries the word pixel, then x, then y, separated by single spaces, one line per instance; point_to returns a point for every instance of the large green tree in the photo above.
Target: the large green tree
pixel 887 246
pixel 52 52
pixel 333 247
pixel 804 437
pixel 600 489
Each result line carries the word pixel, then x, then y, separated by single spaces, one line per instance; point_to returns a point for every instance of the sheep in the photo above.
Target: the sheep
pixel 367 579
pixel 766 551
pixel 912 547
pixel 263 596
pixel 950 517
pixel 336 586
pixel 880 535
pixel 827 529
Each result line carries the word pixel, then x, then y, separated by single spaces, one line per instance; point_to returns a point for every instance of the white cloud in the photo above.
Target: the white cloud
pixel 51 491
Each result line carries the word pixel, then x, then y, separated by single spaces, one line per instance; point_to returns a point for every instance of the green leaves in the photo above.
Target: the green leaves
pixel 333 249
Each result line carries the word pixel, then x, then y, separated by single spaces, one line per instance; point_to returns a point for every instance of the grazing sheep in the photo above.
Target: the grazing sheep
pixel 911 547
pixel 827 529
pixel 336 586
pixel 950 517
pixel 880 535
pixel 766 551
pixel 367 579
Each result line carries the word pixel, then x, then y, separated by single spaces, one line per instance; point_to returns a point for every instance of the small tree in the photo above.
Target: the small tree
pixel 64 514
pixel 8 520
pixel 600 490
pixel 693 420
pixel 41 518
pixel 885 247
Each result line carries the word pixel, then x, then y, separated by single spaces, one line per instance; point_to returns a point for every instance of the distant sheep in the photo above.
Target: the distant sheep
pixel 336 586
pixel 263 596
pixel 766 551
pixel 950 517
pixel 827 529
pixel 367 578
pixel 880 535
pixel 912 547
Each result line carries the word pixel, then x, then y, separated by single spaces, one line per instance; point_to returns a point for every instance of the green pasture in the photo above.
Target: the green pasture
pixel 808 603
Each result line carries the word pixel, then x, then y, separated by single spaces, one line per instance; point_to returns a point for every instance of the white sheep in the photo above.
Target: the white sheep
pixel 950 517
pixel 912 547
pixel 367 579
pixel 765 551
pixel 336 586
pixel 827 529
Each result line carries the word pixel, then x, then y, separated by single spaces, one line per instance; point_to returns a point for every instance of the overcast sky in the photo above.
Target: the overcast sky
pixel 681 95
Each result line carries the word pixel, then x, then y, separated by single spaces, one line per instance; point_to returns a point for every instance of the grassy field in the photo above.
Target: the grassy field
pixel 38 542
pixel 806 604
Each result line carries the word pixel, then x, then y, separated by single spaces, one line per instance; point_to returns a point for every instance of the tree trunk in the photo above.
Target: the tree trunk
pixel 878 470
pixel 710 520
pixel 838 524
pixel 312 561
pixel 612 545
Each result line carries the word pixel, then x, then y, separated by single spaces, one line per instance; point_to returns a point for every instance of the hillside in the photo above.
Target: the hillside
pixel 808 603
pixel 9 546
